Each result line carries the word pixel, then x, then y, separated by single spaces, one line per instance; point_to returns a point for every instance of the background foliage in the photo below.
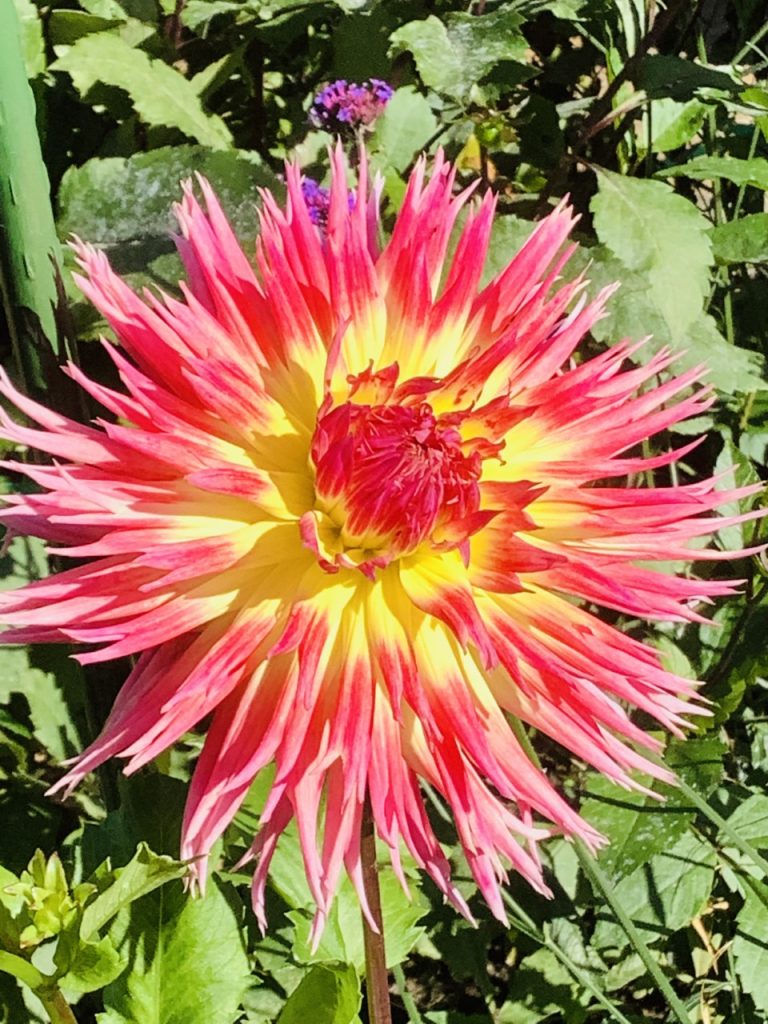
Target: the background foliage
pixel 655 119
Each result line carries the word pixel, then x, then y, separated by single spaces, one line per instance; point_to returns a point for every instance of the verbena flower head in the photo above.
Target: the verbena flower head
pixel 343 105
pixel 318 200
pixel 353 506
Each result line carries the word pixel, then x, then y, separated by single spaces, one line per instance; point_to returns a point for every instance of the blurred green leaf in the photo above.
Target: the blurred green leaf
pixel 642 301
pixel 50 705
pixel 750 820
pixel 674 124
pixel 160 94
pixel 680 79
pixel 130 200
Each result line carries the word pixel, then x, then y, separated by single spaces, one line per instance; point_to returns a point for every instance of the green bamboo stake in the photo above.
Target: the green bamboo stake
pixel 29 248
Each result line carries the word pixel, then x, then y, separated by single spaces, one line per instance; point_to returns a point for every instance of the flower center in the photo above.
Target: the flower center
pixel 388 478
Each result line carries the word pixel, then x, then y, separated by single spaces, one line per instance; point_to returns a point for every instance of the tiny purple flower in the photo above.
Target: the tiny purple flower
pixel 343 106
pixel 318 200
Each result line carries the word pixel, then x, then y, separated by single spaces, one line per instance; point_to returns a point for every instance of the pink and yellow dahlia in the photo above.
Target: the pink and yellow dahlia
pixel 353 506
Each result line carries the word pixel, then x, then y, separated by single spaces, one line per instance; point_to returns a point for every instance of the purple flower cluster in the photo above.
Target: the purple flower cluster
pixel 318 200
pixel 344 105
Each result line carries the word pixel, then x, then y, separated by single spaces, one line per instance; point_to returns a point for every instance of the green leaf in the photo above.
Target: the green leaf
pixel 641 307
pixel 144 873
pixel 32 42
pixel 742 241
pixel 737 471
pixel 674 124
pixel 150 812
pixel 636 825
pixel 660 235
pixel 187 964
pixel 342 939
pixel 452 55
pixel 706 168
pixel 66 27
pixel 696 761
pixel 540 988
pixel 129 200
pixel 403 130
pixel 750 949
pixel 160 95
pixel 92 966
pixel 327 995
pixel 668 75
pixel 750 821
pixel 49 707
pixel 663 894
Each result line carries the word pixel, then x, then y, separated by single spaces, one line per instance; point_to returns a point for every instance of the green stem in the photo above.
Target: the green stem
pixel 410 1006
pixel 602 883
pixel 29 249
pixel 750 43
pixel 56 1006
pixel 46 990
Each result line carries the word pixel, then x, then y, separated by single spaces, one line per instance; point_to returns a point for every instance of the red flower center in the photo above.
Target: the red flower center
pixel 388 478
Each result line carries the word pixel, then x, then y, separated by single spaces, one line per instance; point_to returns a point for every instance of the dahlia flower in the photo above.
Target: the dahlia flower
pixel 357 509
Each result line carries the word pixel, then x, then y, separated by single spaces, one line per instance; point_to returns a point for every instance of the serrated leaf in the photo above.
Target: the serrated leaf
pixel 661 235
pixel 750 820
pixel 664 893
pixel 130 200
pixel 403 130
pixel 49 711
pixel 93 965
pixel 640 308
pixel 750 949
pixel 541 987
pixel 145 872
pixel 342 939
pixel 453 54
pixel 636 825
pixel 327 995
pixel 742 241
pixel 160 95
pixel 187 964
pixel 706 168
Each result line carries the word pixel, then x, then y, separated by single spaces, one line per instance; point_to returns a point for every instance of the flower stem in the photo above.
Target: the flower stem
pixel 56 1006
pixel 376 976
